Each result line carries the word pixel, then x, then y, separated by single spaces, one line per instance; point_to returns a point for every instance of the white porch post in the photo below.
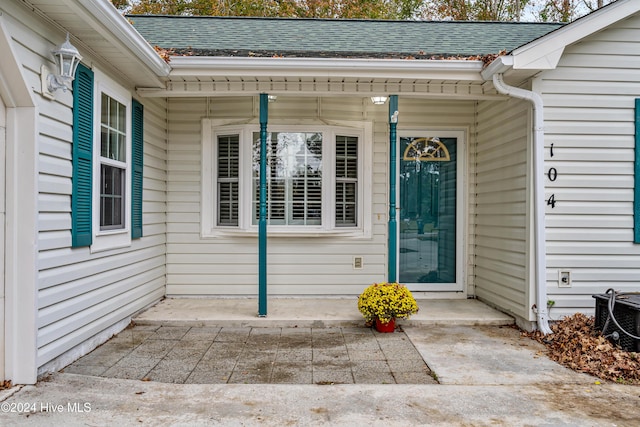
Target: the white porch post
pixel 21 246
pixel 21 225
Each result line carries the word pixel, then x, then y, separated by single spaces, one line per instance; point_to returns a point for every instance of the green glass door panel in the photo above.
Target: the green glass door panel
pixel 427 217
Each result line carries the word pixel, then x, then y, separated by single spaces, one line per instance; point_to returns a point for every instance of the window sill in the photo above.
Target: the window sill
pixel 280 233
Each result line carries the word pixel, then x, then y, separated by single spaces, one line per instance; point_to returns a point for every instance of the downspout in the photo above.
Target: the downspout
pixel 538 195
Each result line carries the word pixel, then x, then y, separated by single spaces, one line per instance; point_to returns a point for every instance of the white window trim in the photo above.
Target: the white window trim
pixel 211 128
pixel 110 239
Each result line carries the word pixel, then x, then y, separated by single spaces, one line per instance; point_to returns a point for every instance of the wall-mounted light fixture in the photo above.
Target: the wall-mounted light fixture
pixel 272 98
pixel 67 59
pixel 378 100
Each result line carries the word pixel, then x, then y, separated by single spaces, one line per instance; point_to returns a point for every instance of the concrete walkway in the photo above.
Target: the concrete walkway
pixel 488 375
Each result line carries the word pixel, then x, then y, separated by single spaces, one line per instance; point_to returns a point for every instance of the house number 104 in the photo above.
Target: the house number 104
pixel 552 174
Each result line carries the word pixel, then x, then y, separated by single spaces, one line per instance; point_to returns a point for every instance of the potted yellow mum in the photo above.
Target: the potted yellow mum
pixel 382 303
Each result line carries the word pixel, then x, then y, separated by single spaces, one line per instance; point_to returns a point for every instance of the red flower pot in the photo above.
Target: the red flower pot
pixel 386 327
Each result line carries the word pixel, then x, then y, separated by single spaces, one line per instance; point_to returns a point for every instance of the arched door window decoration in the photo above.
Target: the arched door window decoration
pixel 426 150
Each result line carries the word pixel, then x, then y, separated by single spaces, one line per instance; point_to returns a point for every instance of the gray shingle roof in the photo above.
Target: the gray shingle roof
pixel 244 36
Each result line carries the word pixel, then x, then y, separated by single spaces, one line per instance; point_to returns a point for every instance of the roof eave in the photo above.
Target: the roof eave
pixel 545 52
pixel 126 34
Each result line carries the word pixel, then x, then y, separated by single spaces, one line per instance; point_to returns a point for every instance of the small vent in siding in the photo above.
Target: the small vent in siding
pixel 357 262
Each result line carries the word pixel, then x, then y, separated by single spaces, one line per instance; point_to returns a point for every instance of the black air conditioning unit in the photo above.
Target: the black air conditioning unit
pixel 626 311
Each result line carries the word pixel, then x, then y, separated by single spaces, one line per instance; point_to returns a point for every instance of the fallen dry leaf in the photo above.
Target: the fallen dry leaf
pixel 577 344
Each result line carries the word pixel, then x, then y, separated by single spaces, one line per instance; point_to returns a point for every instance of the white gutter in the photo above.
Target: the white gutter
pixel 538 195
pixel 453 70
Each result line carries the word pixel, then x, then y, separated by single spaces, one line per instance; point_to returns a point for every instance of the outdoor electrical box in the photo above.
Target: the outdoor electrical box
pixel 564 279
pixel 626 311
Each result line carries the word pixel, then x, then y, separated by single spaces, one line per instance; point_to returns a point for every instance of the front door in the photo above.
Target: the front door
pixel 429 211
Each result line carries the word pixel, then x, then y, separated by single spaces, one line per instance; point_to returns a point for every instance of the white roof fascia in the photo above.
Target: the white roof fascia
pixel 499 65
pixel 108 15
pixel 456 70
pixel 545 52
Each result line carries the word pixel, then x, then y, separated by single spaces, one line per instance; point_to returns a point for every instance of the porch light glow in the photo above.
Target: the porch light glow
pixel 272 98
pixel 378 100
pixel 67 59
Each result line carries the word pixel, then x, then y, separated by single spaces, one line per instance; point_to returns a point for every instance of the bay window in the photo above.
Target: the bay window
pixel 315 179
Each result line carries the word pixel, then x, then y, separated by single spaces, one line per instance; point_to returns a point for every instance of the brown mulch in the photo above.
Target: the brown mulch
pixel 577 344
pixel 5 385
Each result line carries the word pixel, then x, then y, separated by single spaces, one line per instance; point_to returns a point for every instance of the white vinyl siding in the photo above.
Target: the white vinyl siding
pixel 501 242
pixel 80 294
pixel 228 264
pixel 589 119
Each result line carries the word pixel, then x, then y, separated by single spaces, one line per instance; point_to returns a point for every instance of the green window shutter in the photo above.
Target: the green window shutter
pixel 82 181
pixel 137 141
pixel 636 177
